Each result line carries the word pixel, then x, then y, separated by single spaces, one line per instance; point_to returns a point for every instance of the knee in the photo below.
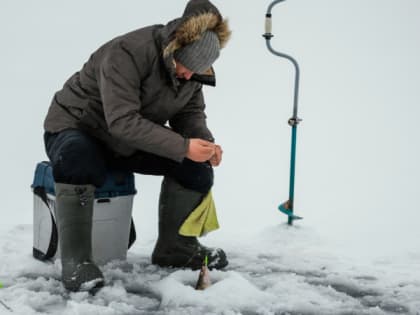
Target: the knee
pixel 77 161
pixel 195 176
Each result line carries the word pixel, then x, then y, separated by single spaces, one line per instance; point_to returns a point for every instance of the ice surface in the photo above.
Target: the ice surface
pixel 283 270
pixel 357 160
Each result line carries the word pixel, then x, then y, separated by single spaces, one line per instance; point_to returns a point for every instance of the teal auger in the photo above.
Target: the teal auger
pixel 287 207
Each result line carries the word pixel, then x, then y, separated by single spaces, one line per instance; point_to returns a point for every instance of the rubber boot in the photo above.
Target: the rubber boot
pixel 173 249
pixel 74 211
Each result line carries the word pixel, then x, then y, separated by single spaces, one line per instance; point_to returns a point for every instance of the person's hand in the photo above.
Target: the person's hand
pixel 216 159
pixel 200 150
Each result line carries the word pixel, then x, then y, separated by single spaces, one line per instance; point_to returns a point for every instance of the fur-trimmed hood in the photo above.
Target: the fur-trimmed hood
pixel 199 16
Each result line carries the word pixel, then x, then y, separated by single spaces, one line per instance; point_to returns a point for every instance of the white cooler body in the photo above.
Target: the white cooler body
pixel 113 230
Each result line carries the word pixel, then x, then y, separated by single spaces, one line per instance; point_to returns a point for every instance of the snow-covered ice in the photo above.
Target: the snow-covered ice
pixel 357 160
pixel 281 270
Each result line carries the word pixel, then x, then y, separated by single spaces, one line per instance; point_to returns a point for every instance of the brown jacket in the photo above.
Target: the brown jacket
pixel 127 91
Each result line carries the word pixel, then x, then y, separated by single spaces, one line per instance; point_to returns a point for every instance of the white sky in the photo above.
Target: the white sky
pixel 357 177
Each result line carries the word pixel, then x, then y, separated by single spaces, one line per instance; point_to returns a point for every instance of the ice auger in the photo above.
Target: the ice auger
pixel 286 207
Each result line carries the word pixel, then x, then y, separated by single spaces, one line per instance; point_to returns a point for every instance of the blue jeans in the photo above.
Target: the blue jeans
pixel 80 159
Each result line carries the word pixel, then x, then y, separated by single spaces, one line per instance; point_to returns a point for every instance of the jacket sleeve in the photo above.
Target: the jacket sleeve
pixel 191 120
pixel 119 85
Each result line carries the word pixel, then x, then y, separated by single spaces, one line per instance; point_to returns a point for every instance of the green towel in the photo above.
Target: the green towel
pixel 202 220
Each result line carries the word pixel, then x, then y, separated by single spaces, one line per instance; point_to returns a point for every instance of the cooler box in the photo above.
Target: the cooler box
pixel 113 230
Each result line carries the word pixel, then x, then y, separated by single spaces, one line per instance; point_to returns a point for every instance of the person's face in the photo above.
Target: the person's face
pixel 182 72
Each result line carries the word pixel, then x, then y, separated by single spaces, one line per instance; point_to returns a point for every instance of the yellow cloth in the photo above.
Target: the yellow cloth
pixel 202 220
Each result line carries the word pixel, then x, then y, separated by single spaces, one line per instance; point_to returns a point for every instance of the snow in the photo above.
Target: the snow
pixel 357 177
pixel 281 270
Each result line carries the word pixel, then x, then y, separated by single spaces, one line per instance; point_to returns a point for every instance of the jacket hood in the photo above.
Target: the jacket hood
pixel 199 16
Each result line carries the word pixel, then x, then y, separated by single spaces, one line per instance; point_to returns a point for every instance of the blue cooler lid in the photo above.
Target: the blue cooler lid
pixel 118 183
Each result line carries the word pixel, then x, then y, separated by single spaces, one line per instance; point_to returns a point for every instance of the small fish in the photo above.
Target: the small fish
pixel 204 277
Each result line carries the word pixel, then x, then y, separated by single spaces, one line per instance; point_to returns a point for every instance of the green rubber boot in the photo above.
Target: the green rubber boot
pixel 173 249
pixel 74 211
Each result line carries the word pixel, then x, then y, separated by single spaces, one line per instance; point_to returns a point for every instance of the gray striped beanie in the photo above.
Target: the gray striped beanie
pixel 200 54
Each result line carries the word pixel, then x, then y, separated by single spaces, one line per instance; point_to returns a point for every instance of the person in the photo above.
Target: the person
pixel 137 105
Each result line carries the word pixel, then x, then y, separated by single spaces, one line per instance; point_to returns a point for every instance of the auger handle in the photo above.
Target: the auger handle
pixel 268 35
pixel 268 23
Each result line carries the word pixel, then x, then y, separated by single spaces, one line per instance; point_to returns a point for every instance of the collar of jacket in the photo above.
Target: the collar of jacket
pixel 208 78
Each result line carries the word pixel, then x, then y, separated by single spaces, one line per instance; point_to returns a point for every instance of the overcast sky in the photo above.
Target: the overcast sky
pixel 357 176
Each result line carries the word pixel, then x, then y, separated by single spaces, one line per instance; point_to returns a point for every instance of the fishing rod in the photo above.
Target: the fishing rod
pixel 6 306
pixel 287 207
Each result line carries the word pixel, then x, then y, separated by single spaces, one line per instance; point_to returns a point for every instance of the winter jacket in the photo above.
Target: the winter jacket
pixel 127 91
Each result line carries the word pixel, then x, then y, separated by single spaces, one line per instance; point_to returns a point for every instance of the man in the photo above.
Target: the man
pixel 113 114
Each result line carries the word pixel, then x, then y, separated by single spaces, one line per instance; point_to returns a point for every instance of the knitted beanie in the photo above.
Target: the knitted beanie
pixel 199 55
